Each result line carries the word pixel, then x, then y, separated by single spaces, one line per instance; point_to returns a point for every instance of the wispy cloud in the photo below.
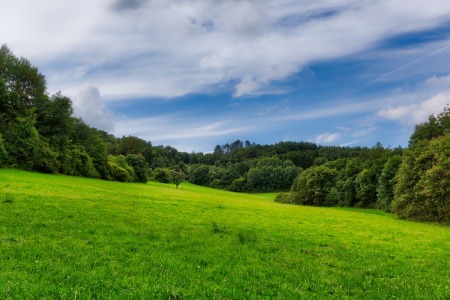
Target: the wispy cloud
pixel 182 131
pixel 172 48
pixel 418 112
pixel 328 138
pixel 253 52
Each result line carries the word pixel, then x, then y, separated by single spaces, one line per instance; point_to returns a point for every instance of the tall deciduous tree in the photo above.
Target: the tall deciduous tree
pixel 21 77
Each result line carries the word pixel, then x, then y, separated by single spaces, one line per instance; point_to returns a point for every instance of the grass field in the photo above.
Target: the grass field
pixel 75 238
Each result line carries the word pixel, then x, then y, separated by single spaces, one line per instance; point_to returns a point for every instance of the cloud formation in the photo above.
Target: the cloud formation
pixel 90 107
pixel 365 62
pixel 434 96
pixel 168 48
pixel 417 113
pixel 328 138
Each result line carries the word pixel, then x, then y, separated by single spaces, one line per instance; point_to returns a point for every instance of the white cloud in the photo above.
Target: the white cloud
pixel 246 86
pixel 418 112
pixel 181 130
pixel 90 107
pixel 339 108
pixel 328 138
pixel 169 48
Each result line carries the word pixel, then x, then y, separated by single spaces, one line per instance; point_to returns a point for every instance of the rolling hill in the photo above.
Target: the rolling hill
pixel 70 237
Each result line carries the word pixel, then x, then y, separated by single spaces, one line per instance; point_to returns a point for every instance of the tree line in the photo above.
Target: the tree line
pixel 38 132
pixel 413 183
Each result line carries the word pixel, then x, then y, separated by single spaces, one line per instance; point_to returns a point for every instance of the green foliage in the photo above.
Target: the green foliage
pixel 139 165
pixel 55 121
pixel 314 185
pixel 22 142
pixel 286 198
pixel 3 153
pixel 134 145
pixel 22 78
pixel 176 177
pixel 120 170
pixel 346 183
pixel 76 161
pixel 47 160
pixel 271 174
pixel 423 178
pixel 161 175
pixel 199 174
pixel 238 185
pixel 435 127
pixel 91 140
pixel 365 187
pixel 387 182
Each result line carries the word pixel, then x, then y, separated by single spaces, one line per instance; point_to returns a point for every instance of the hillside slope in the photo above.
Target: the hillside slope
pixel 69 237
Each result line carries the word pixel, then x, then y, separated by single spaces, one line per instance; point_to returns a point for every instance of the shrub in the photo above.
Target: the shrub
pixel 286 198
pixel 118 173
pixel 238 185
pixel 161 175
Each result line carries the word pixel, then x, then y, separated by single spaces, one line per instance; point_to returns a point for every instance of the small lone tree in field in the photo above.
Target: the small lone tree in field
pixel 176 177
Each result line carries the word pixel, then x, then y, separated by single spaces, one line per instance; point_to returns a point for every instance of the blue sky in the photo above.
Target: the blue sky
pixel 195 73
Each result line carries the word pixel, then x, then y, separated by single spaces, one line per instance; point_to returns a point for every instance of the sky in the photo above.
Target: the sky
pixel 193 74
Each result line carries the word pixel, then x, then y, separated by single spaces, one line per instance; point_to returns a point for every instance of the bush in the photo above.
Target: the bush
pixel 238 185
pixel 286 198
pixel 314 186
pixel 161 175
pixel 118 173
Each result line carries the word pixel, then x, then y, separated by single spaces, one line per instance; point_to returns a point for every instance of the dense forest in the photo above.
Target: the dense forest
pixel 38 132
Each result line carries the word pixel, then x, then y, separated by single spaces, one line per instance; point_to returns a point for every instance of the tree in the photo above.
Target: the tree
pixel 366 193
pixel 21 77
pixel 387 182
pixel 176 177
pixel 435 182
pixel 199 174
pixel 423 178
pixel 55 121
pixel 314 186
pixel 91 140
pixel 138 163
pixel 271 175
pixel 22 142
pixel 435 127
pixel 346 182
pixel 134 145
pixel 3 153
pixel 161 175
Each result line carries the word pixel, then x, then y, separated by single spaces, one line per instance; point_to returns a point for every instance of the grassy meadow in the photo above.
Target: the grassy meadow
pixel 77 238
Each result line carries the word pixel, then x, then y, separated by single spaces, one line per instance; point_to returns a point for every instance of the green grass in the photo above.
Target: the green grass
pixel 74 238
